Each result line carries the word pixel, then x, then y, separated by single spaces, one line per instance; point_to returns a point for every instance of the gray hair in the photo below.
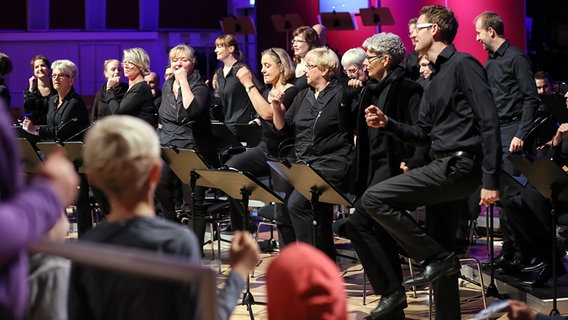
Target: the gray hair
pixel 388 44
pixel 67 66
pixel 354 56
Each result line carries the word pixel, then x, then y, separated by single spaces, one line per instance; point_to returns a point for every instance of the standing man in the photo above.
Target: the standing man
pixel 410 61
pixel 514 91
pixel 458 119
pixel 153 80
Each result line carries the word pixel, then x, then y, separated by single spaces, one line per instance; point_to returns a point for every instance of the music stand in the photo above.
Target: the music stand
pixel 376 17
pixel 243 186
pixel 556 105
pixel 30 158
pixel 312 185
pixel 286 23
pixel 250 133
pixel 552 182
pixel 237 25
pixel 338 21
pixel 225 137
pixel 73 152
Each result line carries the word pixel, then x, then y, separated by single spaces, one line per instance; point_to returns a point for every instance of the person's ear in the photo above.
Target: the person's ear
pixel 155 171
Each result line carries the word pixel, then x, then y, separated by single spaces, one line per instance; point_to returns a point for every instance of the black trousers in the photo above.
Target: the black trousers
pixel 531 223
pixel 510 248
pixel 443 184
pixel 165 195
pixel 377 251
pixel 252 161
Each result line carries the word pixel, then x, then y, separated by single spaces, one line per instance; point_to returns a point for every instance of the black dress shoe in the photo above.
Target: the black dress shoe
pixel 498 261
pixel 389 303
pixel 394 315
pixel 535 267
pixel 514 266
pixel 544 275
pixel 434 270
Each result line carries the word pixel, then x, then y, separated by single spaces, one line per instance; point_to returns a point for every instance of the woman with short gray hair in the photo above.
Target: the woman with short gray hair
pixel 380 156
pixel 386 44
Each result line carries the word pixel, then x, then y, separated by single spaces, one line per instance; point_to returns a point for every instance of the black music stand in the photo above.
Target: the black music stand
pixel 338 21
pixel 250 134
pixel 73 152
pixel 30 158
pixel 552 182
pixel 312 185
pixel 286 23
pixel 237 25
pixel 184 162
pixel 376 17
pixel 243 186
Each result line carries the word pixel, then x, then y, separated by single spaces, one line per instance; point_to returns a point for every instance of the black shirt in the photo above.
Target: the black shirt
pixel 457 112
pixel 512 84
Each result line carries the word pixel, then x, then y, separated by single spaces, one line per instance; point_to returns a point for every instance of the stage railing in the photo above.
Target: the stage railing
pixel 142 263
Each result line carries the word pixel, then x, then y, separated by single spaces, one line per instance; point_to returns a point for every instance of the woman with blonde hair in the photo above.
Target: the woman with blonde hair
pixel 313 119
pixel 184 115
pixel 112 86
pixel 277 71
pixel 138 100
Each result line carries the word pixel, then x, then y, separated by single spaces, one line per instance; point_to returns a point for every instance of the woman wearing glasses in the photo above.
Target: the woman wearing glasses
pixel 138 100
pixel 313 119
pixel 36 98
pixel 277 71
pixel 67 114
pixel 112 86
pixel 304 39
pixel 378 157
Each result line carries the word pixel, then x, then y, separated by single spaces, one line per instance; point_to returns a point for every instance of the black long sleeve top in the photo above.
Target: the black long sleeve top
pixel 512 84
pixel 67 120
pixel 137 101
pixel 457 113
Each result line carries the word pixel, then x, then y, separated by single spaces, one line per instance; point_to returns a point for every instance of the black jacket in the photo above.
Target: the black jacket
pixel 318 138
pixel 399 98
pixel 67 120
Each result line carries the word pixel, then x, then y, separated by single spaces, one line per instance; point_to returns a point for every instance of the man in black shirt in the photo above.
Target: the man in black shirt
pixel 458 119
pixel 514 91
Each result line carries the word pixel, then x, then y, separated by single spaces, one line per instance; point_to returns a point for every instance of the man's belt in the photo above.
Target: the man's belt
pixel 446 154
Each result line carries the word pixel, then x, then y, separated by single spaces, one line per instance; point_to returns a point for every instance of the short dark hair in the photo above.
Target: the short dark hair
pixel 444 18
pixel 492 20
pixel 6 65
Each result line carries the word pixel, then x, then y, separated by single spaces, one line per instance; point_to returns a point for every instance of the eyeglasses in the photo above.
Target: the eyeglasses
pixel 128 64
pixel 59 76
pixel 372 58
pixel 350 71
pixel 420 26
pixel 310 66
pixel 297 40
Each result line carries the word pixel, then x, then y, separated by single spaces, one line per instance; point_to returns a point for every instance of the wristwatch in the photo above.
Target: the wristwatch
pixel 249 88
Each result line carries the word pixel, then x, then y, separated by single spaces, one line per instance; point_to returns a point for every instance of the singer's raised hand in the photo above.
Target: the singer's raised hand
pixel 375 117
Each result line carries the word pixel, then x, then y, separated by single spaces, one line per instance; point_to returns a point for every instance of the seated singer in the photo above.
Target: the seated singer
pixel 458 119
pixel 378 157
pixel 184 115
pixel 277 70
pixel 313 119
pixel 67 120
